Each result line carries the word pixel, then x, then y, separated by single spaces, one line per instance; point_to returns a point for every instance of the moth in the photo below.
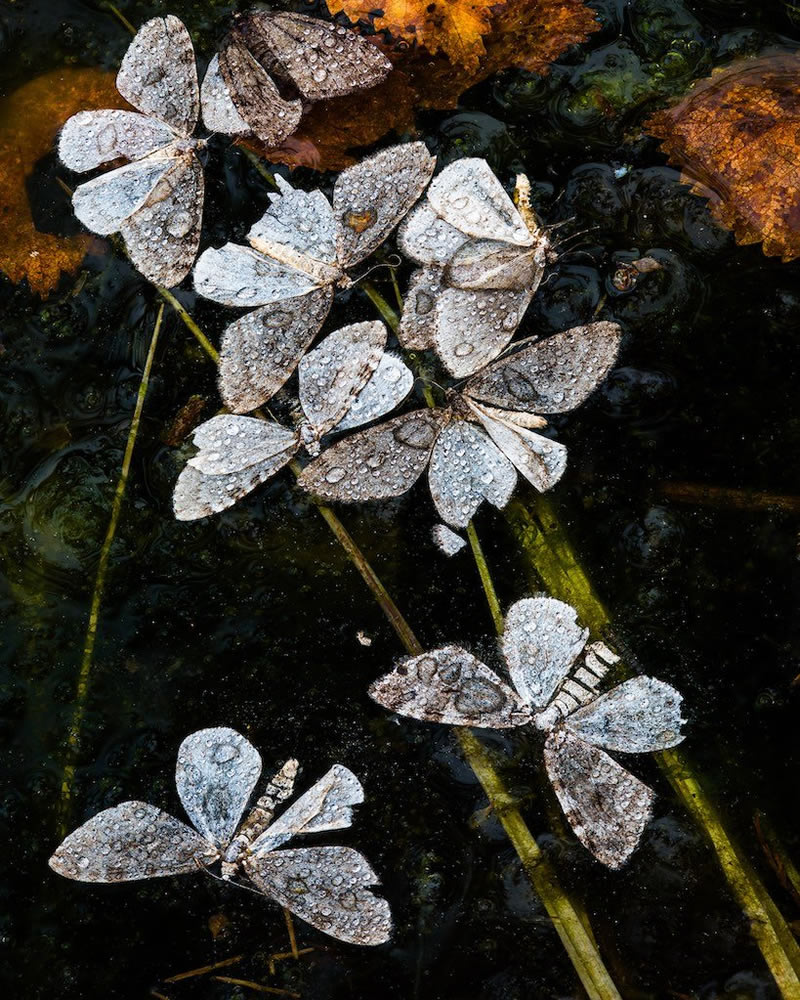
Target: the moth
pixel 299 254
pixel 314 60
pixel 555 676
pixel 474 447
pixel 155 201
pixel 216 774
pixel 482 260
pixel 346 381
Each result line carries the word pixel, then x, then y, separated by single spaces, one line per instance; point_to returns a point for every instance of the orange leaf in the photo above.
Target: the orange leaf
pixel 29 122
pixel 737 137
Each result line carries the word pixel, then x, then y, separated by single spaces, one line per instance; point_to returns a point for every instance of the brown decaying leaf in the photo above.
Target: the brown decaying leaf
pixel 736 137
pixel 29 122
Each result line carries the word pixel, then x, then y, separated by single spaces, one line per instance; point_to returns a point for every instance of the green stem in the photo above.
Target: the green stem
pixel 389 316
pixel 190 324
pixel 85 671
pixel 486 578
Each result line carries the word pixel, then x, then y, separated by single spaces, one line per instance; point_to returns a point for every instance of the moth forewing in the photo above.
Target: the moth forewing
pixel 234 275
pixel 471 327
pixel 104 203
pixel 386 388
pixel 218 110
pixel 254 95
pixel 416 330
pixel 90 139
pixel 228 443
pixel 494 265
pixel 541 460
pixel 428 239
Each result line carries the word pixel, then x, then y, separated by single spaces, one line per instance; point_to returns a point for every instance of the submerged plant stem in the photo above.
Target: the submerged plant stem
pixel 84 673
pixel 486 578
pixel 190 324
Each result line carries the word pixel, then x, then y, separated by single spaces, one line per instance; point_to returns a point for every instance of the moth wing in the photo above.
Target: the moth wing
pixel 255 96
pixel 466 469
pixel 197 495
pixel 133 840
pixel 299 228
pixel 334 373
pixel 468 196
pixel 216 773
pixel 492 264
pixel 416 330
pixel 638 716
pixel 472 327
pixel 104 203
pixel 386 389
pixel 327 805
pixel 607 807
pixel 260 350
pixel 219 111
pixel 426 238
pixel 163 235
pixel 370 198
pixel 551 375
pixel 377 463
pixel 322 59
pixel 328 887
pixel 446 540
pixel 234 275
pixel 541 641
pixel 451 686
pixel 230 443
pixel 541 460
pixel 91 138
pixel 158 74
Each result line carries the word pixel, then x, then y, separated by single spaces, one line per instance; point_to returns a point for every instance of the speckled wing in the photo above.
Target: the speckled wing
pixel 133 840
pixel 641 715
pixel 541 460
pixel 158 74
pixel 234 275
pixel 446 540
pixel 451 686
pixel 472 327
pixel 467 468
pixel 377 463
pixel 417 324
pixel 322 59
pixel 427 239
pixel 260 350
pixel 468 196
pixel 104 203
pixel 552 375
pixel 255 96
pixel 328 887
pixel 492 264
pixel 541 641
pixel 218 110
pixel 229 443
pixel 92 138
pixel 370 198
pixel 607 807
pixel 386 389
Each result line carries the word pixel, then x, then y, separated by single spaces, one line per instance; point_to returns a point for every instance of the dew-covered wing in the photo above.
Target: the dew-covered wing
pixel 551 375
pixel 607 807
pixel 158 74
pixel 472 327
pixel 131 841
pixel 370 198
pixel 450 685
pixel 234 275
pixel 260 350
pixel 322 59
pixel 197 495
pixel 255 96
pixel 492 264
pixel 328 887
pixel 417 324
pixel 427 239
pixel 638 716
pixel 446 540
pixel 386 389
pixel 541 460
pixel 541 641
pixel 219 111
pixel 104 203
pixel 468 196
pixel 230 443
pixel 91 138
pixel 466 469
pixel 216 773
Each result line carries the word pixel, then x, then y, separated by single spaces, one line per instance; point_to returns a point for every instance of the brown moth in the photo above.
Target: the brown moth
pixel 555 677
pixel 216 775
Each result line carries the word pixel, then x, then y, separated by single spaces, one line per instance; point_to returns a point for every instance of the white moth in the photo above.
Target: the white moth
pixel 155 201
pixel 348 380
pixel 298 255
pixel 216 775
pixel 474 447
pixel 555 677
pixel 482 260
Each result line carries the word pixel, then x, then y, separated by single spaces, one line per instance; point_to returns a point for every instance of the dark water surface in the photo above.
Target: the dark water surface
pixel 250 619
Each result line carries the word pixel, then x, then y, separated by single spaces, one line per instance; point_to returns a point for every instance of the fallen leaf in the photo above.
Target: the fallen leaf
pixel 30 118
pixel 736 138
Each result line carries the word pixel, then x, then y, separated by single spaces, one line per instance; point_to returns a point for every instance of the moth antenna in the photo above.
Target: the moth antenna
pixel 376 267
pixel 227 881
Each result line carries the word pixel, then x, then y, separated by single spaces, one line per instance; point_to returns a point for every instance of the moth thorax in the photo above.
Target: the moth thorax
pixel 310 438
pixel 188 145
pixel 459 406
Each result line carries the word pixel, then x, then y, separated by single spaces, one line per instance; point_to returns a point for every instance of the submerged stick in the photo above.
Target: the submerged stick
pixel 203 970
pixel 701 495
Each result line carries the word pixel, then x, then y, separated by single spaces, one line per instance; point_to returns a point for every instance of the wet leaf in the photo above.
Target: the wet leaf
pixel 735 136
pixel 29 122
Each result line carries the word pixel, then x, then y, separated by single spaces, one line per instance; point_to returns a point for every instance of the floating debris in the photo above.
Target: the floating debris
pixel 446 540
pixel 216 775
pixel 556 676
pixel 627 274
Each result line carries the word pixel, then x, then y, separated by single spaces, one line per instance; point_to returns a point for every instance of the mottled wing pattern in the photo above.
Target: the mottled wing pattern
pixel 219 111
pixel 158 74
pixel 92 138
pixel 427 239
pixel 299 229
pixel 416 330
pixel 446 540
pixel 234 275
pixel 377 463
pixel 552 375
pixel 255 96
pixel 370 198
pixel 328 888
pixel 131 841
pixel 472 327
pixel 490 264
pixel 261 350
pixel 387 387
pixel 466 469
pixel 450 685
pixel 216 773
pixel 541 641
pixel 541 460
pixel 229 443
pixel 104 203
pixel 638 716
pixel 607 807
